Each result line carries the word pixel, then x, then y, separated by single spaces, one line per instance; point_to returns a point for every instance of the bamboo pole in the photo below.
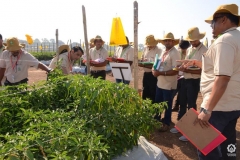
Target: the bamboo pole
pixel 86 38
pixel 57 44
pixel 135 9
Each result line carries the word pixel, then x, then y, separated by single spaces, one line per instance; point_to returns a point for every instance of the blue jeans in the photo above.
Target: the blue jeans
pixel 163 95
pixel 225 122
pixel 120 80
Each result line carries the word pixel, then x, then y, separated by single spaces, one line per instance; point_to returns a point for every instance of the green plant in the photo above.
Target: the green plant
pixel 43 55
pixel 74 117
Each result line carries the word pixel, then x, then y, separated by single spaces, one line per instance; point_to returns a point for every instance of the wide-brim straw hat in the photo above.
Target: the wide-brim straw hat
pixel 23 45
pixel 63 47
pixel 150 41
pixel 226 8
pixel 194 34
pixel 169 36
pixel 13 44
pixel 92 41
pixel 98 38
pixel 5 44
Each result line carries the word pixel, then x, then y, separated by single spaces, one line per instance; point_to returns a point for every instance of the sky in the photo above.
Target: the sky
pixel 41 18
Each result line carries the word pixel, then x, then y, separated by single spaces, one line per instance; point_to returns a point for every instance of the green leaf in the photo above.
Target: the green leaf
pixel 29 154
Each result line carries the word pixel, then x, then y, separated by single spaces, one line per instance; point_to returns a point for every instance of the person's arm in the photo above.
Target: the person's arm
pixel 190 62
pixel 44 67
pixel 192 71
pixel 223 69
pixel 219 87
pixel 2 71
pixel 164 73
pixel 102 64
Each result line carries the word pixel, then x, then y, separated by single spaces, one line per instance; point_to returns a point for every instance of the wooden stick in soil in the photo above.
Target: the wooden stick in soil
pixel 57 44
pixel 135 62
pixel 86 38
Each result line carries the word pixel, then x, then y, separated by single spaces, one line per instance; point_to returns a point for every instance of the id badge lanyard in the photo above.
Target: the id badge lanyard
pixel 14 65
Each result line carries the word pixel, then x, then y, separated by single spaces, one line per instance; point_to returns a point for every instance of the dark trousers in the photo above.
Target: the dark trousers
pixel 177 91
pixel 188 95
pixel 120 80
pixel 163 95
pixel 97 74
pixel 225 122
pixel 149 86
pixel 24 81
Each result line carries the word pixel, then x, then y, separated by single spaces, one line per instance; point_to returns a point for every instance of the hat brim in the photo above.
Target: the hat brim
pixel 176 41
pixel 210 19
pixel 96 39
pixel 65 47
pixel 200 36
pixel 14 48
pixel 152 43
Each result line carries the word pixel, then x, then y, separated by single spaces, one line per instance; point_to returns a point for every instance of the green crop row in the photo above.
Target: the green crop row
pixel 74 117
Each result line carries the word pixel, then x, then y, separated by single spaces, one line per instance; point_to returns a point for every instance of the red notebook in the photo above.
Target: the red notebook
pixel 205 139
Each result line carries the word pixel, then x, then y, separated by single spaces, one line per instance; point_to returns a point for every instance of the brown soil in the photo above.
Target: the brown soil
pixel 168 142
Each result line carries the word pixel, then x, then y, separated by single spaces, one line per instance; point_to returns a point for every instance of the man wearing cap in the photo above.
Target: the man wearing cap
pixel 191 83
pixel 183 46
pixel 14 63
pixel 125 52
pixel 220 81
pixel 149 54
pixel 98 56
pixel 167 77
pixel 67 58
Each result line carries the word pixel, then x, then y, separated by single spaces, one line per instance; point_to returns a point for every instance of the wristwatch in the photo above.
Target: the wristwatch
pixel 206 111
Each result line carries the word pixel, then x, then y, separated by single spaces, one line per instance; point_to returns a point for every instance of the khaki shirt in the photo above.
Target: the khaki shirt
pixel 18 72
pixel 169 82
pixel 65 62
pixel 223 58
pixel 195 53
pixel 150 55
pixel 127 53
pixel 96 54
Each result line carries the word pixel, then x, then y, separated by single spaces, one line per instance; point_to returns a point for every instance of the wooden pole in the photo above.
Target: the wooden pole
pixel 57 44
pixel 135 62
pixel 86 38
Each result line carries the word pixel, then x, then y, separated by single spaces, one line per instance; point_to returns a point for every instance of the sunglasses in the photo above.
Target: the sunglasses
pixel 216 18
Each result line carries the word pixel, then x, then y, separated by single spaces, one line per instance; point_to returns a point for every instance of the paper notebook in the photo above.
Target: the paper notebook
pixel 205 139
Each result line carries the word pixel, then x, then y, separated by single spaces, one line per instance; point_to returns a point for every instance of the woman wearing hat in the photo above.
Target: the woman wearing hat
pixel 67 57
pixel 220 81
pixel 149 81
pixel 190 85
pixel 14 63
pixel 167 77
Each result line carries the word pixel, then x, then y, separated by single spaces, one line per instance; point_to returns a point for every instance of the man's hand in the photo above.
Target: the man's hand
pixel 155 73
pixel 203 119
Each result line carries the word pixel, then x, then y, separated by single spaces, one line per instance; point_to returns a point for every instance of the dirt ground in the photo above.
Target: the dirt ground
pixel 168 142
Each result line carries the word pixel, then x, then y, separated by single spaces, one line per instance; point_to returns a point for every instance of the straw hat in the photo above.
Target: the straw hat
pixel 98 38
pixel 169 36
pixel 63 47
pixel 131 43
pixel 151 41
pixel 226 8
pixel 5 44
pixel 91 41
pixel 194 34
pixel 13 44
pixel 23 45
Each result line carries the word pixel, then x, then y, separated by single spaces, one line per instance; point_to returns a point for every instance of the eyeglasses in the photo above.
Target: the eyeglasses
pixel 215 19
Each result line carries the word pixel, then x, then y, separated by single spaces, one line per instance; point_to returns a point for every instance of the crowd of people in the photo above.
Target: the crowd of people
pixel 183 72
